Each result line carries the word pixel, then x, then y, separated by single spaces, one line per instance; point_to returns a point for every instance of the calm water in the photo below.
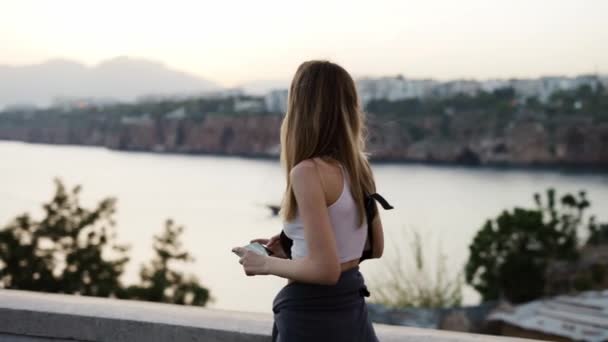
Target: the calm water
pixel 220 202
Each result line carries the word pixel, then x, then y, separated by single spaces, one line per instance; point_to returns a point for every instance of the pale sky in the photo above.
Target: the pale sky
pixel 236 41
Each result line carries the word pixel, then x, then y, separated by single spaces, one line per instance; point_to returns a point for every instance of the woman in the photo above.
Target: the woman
pixel 328 178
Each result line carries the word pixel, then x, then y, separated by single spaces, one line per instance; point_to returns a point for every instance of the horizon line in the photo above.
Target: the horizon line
pixel 235 85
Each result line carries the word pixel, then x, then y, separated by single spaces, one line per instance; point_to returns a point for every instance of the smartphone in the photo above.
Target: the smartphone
pixel 258 248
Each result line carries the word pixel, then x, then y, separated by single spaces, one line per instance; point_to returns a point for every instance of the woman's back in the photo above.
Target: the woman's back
pixel 350 236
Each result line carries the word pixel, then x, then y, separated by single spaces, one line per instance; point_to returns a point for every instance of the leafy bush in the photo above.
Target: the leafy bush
pixel 510 254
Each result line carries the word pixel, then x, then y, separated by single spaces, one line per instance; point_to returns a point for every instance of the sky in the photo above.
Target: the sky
pixel 231 42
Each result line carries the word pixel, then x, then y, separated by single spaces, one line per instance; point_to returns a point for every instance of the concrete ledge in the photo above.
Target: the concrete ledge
pixel 40 317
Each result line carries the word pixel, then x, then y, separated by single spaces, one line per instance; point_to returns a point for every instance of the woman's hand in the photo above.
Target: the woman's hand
pixel 253 263
pixel 274 245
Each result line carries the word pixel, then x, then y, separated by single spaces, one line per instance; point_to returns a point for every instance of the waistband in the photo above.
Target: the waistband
pixel 349 290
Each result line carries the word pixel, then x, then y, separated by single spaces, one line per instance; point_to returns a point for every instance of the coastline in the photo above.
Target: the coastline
pixel 567 168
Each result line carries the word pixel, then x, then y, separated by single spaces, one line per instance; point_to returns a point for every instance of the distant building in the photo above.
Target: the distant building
pixel 526 87
pixel 176 114
pixel 393 88
pixel 604 81
pixel 141 120
pixel 490 86
pixel 276 101
pixel 249 105
pixel 396 88
pixel 19 107
pixel 223 94
pixel 458 87
pixel 544 87
pixel 550 85
pixel 75 103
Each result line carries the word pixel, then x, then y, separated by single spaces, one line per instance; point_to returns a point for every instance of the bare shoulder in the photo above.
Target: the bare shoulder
pixel 304 174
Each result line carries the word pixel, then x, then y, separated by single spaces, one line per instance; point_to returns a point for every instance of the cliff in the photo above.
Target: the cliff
pixel 468 136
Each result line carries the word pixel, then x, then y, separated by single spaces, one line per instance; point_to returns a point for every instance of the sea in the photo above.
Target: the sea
pixel 222 203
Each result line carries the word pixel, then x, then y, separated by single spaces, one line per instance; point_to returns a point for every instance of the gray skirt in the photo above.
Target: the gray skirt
pixel 310 312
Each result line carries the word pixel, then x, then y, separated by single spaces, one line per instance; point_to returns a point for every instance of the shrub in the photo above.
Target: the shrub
pixel 407 281
pixel 510 254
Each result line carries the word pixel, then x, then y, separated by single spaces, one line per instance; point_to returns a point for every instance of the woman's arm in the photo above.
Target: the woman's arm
pixel 322 265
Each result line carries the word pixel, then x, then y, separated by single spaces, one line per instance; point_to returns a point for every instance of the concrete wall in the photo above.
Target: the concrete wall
pixel 38 317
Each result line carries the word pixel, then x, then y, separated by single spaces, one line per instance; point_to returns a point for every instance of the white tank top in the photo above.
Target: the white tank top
pixel 350 236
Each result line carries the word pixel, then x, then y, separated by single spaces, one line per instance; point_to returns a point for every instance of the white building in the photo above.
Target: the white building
pixel 393 88
pixel 604 81
pixel 397 88
pixel 453 88
pixel 276 101
pixel 176 114
pixel 141 120
pixel 490 86
pixel 248 105
pixel 223 93
pixel 593 81
pixel 526 87
pixel 544 87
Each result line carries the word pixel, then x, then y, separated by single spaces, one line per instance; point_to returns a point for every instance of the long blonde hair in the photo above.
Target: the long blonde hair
pixel 324 119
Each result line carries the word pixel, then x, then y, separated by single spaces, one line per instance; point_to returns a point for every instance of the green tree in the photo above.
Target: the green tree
pixel 73 250
pixel 598 233
pixel 509 255
pixel 161 283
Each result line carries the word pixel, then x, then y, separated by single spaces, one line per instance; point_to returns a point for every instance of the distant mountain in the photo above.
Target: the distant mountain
pixel 261 87
pixel 121 78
